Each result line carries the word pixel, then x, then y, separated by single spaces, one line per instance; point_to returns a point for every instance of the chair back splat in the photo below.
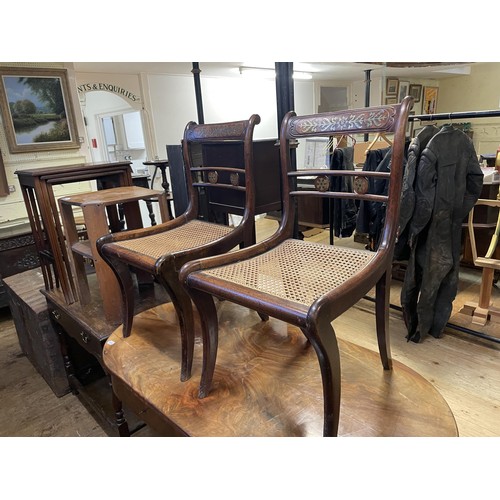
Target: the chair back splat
pixel 309 284
pixel 162 250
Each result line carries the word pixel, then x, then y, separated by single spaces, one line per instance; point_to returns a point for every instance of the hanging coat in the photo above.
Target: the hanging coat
pixel 344 211
pixel 407 206
pixel 449 182
pixel 372 161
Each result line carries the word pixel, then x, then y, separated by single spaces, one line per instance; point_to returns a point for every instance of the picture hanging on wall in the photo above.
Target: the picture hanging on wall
pixel 391 100
pixel 36 109
pixel 404 90
pixel 430 100
pixel 416 92
pixel 391 88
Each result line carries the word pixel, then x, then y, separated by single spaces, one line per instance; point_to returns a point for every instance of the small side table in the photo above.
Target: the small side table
pixel 161 165
pixel 97 207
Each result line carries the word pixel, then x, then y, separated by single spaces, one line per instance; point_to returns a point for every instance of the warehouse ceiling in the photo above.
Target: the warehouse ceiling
pixel 342 71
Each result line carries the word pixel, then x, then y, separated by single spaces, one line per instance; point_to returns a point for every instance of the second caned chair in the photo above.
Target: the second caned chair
pixel 162 250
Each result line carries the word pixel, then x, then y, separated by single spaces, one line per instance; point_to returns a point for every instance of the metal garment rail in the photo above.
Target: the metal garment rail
pixel 456 115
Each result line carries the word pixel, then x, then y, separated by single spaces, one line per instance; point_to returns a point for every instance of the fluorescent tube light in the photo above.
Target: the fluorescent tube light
pixel 271 73
pixel 258 72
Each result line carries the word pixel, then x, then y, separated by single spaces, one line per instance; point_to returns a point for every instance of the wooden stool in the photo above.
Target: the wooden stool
pixel 162 165
pixel 99 210
pixel 483 311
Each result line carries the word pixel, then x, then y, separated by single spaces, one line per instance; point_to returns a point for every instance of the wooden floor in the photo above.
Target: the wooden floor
pixel 461 367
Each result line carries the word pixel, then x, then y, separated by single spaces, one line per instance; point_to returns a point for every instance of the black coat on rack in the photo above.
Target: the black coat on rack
pixel 460 115
pixel 448 183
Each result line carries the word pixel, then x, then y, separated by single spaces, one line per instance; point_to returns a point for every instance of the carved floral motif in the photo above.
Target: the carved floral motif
pixel 357 121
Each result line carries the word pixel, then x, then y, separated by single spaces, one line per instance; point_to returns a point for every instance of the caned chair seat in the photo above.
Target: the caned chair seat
pixel 293 271
pixel 191 235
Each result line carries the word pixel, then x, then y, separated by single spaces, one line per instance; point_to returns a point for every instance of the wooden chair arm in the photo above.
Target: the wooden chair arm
pixel 144 231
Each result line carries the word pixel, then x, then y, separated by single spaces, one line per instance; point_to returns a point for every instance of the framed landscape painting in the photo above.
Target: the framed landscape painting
pixel 36 110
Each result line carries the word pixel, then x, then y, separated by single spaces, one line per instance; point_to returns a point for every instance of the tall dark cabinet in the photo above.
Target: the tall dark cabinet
pixel 216 203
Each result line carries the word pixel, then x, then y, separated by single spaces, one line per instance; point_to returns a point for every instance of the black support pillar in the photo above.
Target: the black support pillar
pixel 285 102
pixel 367 92
pixel 284 89
pixel 197 89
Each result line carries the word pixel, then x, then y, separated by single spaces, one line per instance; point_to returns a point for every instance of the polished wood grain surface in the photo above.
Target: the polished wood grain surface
pixel 267 382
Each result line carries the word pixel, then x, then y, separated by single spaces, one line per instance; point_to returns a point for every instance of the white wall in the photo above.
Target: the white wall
pixel 478 91
pixel 173 104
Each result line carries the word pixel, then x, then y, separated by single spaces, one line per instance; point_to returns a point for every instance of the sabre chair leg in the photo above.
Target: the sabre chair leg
pixel 124 277
pixel 382 290
pixel 324 341
pixel 210 331
pixel 184 309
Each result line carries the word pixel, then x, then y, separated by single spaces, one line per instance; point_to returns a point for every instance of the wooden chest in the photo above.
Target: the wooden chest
pixel 17 254
pixel 37 337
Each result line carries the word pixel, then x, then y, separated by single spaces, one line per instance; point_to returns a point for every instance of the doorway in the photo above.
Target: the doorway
pixel 115 132
pixel 123 138
pixel 115 129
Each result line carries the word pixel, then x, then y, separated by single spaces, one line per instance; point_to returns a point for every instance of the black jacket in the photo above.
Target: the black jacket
pixel 407 207
pixel 344 211
pixel 449 182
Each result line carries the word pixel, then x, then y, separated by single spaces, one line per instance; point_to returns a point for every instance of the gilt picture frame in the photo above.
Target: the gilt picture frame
pixel 430 97
pixel 37 112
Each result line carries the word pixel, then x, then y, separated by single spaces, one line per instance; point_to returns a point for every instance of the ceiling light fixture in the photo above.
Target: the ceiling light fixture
pixel 271 73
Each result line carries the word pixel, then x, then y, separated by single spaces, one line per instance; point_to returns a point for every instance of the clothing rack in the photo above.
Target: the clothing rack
pixel 454 116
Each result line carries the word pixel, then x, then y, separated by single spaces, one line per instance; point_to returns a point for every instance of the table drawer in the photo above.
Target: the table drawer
pixel 83 336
